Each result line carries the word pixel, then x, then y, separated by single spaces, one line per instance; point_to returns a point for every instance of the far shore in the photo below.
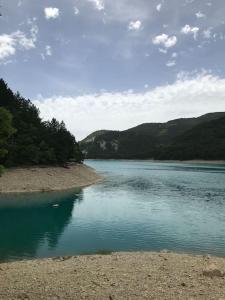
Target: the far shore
pixel 193 161
pixel 46 179
pixel 117 276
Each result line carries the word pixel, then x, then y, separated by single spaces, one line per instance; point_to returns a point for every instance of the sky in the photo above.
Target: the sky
pixel 103 64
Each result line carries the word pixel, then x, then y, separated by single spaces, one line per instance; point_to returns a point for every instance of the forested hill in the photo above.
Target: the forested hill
pixel 204 141
pixel 26 140
pixel 161 140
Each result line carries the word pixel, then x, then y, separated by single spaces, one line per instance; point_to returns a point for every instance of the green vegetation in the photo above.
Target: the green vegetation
pixel 6 130
pixel 205 141
pixel 34 141
pixel 181 139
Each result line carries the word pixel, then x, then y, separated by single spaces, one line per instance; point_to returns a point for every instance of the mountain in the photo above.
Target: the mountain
pixel 204 141
pixel 149 140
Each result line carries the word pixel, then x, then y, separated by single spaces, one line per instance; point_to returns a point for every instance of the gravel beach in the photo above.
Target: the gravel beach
pixel 117 276
pixel 44 179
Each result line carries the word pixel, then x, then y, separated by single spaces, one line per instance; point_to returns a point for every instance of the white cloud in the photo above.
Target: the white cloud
pixel 51 12
pixel 76 10
pixel 159 7
pixel 99 4
pixel 207 33
pixel 134 25
pixel 7 46
pixel 165 40
pixel 174 55
pixel 34 32
pixel 188 96
pixel 10 43
pixel 200 15
pixel 171 63
pixel 164 51
pixel 19 3
pixel 187 29
pixel 48 50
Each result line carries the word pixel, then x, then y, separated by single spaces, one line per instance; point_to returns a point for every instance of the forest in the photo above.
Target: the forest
pixel 25 139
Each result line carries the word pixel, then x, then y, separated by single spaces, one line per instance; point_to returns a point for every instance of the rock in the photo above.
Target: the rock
pixel 162 256
pixel 23 296
pixel 207 257
pixel 164 251
pixel 61 258
pixel 213 272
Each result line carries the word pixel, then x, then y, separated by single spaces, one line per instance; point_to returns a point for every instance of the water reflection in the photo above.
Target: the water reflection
pixel 176 207
pixel 27 221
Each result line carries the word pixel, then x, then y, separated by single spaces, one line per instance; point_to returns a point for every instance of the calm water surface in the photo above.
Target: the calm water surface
pixel 140 206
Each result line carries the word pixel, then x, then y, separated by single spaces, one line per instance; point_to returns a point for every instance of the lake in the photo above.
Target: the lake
pixel 139 206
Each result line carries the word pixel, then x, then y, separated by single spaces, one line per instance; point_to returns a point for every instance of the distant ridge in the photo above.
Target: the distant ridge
pixel 161 140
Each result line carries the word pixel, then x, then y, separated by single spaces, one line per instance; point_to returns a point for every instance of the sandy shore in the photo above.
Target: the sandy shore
pixel 118 276
pixel 36 179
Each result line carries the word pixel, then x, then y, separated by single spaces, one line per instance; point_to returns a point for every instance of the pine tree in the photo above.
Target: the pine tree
pixel 6 130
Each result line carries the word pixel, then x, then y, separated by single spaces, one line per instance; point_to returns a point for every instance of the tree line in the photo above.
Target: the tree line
pixel 27 140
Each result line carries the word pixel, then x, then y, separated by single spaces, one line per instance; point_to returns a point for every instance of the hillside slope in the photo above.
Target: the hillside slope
pixel 204 141
pixel 148 140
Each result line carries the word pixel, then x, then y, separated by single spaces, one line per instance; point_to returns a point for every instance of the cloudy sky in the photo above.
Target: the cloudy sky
pixel 113 64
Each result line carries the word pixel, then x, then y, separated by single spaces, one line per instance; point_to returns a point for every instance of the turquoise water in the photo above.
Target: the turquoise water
pixel 139 206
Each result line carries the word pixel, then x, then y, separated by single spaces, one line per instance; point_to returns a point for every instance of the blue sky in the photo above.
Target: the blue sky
pixel 115 64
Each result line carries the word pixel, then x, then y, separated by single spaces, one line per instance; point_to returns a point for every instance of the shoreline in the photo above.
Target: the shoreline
pixel 117 276
pixel 47 179
pixel 194 161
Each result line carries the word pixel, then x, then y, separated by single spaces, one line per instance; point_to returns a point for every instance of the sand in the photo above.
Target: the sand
pixel 118 276
pixel 44 179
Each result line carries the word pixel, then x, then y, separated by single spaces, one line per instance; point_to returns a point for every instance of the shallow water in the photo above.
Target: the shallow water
pixel 139 206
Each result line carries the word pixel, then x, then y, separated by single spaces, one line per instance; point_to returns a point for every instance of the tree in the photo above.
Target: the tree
pixel 35 142
pixel 6 130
